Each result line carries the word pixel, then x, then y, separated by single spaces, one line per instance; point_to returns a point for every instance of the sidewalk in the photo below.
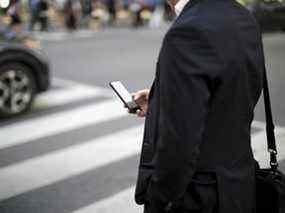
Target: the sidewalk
pixel 90 33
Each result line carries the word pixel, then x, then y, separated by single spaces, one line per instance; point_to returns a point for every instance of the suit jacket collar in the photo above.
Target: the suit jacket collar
pixel 180 6
pixel 189 4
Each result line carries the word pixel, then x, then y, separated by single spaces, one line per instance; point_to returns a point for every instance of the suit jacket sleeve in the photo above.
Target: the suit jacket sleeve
pixel 189 67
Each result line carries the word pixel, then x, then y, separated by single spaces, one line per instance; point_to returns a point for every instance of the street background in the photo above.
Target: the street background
pixel 77 150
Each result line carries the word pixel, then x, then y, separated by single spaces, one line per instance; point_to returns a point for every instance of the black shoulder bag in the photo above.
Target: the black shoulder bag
pixel 270 182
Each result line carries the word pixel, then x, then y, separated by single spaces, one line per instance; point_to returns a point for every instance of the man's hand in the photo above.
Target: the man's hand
pixel 141 98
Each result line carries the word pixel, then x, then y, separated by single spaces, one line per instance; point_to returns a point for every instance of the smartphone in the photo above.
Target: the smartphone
pixel 125 96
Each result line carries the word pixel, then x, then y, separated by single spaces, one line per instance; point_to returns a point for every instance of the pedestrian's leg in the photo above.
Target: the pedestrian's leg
pixel 44 23
pixel 32 22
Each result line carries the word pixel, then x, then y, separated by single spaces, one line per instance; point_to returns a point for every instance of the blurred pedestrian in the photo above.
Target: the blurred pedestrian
pixel 14 29
pixel 143 11
pixel 14 12
pixel 43 8
pixel 39 14
pixel 136 9
pixel 34 13
pixel 111 6
pixel 196 153
pixel 168 14
pixel 86 6
pixel 72 12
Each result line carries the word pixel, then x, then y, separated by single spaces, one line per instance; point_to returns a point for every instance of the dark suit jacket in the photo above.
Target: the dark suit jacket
pixel 201 105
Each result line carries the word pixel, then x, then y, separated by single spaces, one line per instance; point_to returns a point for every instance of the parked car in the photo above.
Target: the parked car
pixel 24 72
pixel 269 13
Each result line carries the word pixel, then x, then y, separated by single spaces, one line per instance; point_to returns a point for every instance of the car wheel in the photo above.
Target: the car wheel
pixel 17 89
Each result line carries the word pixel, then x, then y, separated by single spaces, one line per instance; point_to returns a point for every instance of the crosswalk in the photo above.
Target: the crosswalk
pixel 77 151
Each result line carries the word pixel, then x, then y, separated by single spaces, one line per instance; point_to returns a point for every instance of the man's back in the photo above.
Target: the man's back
pixel 208 81
pixel 235 36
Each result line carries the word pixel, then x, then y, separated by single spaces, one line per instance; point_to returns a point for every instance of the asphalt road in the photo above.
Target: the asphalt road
pixel 127 55
pixel 130 56
pixel 77 150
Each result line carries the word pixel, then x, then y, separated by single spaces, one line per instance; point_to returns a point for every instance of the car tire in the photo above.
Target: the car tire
pixel 17 89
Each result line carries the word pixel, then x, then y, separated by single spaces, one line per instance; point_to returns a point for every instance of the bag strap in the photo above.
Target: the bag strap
pixel 271 142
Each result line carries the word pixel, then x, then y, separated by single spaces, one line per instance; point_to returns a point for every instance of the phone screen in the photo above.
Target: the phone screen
pixel 124 95
pixel 122 91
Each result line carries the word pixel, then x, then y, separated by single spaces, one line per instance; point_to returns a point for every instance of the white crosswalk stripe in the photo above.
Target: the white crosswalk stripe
pixel 25 131
pixel 33 129
pixel 69 94
pixel 123 201
pixel 52 167
pixel 68 162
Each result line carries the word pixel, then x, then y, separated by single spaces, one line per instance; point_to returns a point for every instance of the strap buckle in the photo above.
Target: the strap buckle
pixel 271 151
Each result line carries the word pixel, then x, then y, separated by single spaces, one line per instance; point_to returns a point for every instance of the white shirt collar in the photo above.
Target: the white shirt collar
pixel 180 6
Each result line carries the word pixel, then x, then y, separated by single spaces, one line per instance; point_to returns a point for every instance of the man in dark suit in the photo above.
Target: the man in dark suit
pixel 196 154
